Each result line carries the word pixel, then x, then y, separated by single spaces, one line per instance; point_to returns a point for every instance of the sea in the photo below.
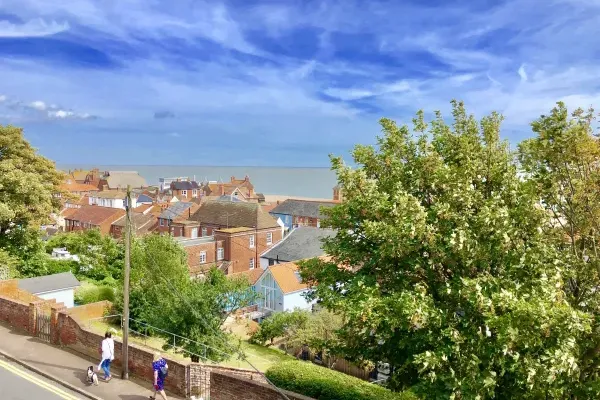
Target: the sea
pixel 288 181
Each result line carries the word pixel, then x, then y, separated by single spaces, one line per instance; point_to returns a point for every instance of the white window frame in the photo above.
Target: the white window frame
pixel 203 257
pixel 220 253
pixel 194 193
pixel 252 241
pixel 269 237
pixel 184 193
pixel 204 232
pixel 252 264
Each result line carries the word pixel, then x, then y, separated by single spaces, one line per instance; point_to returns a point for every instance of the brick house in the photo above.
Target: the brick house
pixel 178 213
pixel 234 235
pixel 142 224
pixel 93 217
pixel 294 213
pixel 77 189
pixel 338 194
pixel 185 190
pixel 239 188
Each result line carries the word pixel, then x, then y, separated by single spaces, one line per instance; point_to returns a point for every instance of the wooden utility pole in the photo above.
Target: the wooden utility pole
pixel 125 347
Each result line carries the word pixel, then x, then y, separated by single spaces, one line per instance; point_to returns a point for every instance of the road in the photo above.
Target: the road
pixel 17 383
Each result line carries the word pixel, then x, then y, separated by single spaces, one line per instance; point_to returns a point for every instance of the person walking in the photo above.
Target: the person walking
pixel 108 355
pixel 161 370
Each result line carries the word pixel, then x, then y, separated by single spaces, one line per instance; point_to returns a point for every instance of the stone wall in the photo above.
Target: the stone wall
pixel 228 387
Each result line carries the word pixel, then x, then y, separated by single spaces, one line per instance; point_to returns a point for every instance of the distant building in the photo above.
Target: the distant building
pixel 112 180
pixel 301 243
pixel 242 189
pixel 77 189
pixel 295 213
pixel 185 190
pixel 337 193
pixel 93 217
pixel 112 199
pixel 63 254
pixel 59 287
pixel 178 212
pixel 141 224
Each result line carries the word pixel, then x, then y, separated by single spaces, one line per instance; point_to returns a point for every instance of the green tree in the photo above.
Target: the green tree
pixel 283 325
pixel 441 267
pixel 28 183
pixel 163 296
pixel 562 165
pixel 8 265
pixel 320 334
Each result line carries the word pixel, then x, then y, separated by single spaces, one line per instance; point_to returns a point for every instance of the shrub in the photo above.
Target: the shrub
pixel 326 384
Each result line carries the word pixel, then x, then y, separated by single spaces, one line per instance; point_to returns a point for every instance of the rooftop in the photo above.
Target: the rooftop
pixel 176 210
pixel 110 194
pixel 49 283
pixel 234 214
pixel 287 277
pixel 184 185
pixel 301 243
pixel 97 215
pixel 120 179
pixel 235 230
pixel 186 242
pixel 252 275
pixel 302 208
pixel 77 187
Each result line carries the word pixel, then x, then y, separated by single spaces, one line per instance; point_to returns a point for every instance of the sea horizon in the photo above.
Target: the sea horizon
pixel 316 182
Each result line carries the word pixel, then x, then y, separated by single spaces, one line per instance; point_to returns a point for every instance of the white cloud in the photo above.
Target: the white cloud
pixel 40 110
pixel 33 28
pixel 522 73
pixel 377 90
pixel 2 98
pixel 39 105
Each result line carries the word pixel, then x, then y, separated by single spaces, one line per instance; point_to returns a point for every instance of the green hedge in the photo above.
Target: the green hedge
pixel 325 384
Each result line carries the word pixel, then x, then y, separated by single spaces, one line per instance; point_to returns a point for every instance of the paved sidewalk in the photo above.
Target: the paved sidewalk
pixel 69 367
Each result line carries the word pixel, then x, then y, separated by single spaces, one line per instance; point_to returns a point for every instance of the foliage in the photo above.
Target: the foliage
pixel 28 183
pixel 163 295
pixel 562 165
pixel 91 293
pixel 326 384
pixel 8 265
pixel 320 334
pixel 102 257
pixel 280 325
pixel 441 267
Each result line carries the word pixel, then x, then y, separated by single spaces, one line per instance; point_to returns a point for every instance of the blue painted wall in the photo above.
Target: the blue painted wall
pixel 287 219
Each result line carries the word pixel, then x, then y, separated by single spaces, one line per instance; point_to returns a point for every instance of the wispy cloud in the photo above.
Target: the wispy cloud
pixel 38 109
pixel 313 75
pixel 34 28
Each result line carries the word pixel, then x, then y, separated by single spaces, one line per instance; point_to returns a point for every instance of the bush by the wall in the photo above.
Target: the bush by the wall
pixel 326 384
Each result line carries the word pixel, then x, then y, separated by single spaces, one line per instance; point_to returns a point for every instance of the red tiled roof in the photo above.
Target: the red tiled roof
pixel 96 215
pixel 252 275
pixel 77 187
pixel 286 278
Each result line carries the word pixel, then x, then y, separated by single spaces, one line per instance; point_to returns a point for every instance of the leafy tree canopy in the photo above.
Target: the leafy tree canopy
pixel 28 183
pixel 441 268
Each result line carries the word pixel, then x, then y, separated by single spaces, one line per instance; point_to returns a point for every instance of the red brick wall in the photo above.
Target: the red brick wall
pixel 238 250
pixel 229 387
pixel 193 254
pixel 15 313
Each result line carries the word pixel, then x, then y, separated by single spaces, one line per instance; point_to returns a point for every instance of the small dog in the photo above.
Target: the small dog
pixel 92 377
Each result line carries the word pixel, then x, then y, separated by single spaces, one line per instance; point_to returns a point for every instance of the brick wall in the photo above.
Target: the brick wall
pixel 193 254
pixel 238 250
pixel 228 387
pixel 15 313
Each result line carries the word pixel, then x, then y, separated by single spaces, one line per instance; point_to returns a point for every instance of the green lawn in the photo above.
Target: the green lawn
pixel 261 357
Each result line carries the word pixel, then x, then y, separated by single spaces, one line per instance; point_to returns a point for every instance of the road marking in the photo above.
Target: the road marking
pixel 37 381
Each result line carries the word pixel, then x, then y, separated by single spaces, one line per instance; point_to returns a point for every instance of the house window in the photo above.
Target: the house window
pixel 202 257
pixel 204 232
pixel 162 222
pixel 251 263
pixel 252 241
pixel 194 193
pixel 184 192
pixel 220 253
pixel 269 237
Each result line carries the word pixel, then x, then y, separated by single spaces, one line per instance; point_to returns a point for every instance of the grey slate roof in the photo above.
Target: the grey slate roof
pixel 301 208
pixel 49 283
pixel 300 243
pixel 143 198
pixel 185 185
pixel 175 210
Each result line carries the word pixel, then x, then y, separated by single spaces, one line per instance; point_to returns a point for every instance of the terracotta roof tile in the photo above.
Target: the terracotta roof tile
pixel 287 277
pixel 252 275
pixel 96 215
pixel 144 208
pixel 77 187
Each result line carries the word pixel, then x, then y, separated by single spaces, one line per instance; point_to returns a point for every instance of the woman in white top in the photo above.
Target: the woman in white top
pixel 108 355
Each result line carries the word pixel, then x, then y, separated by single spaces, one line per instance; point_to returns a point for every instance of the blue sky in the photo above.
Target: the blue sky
pixel 278 82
